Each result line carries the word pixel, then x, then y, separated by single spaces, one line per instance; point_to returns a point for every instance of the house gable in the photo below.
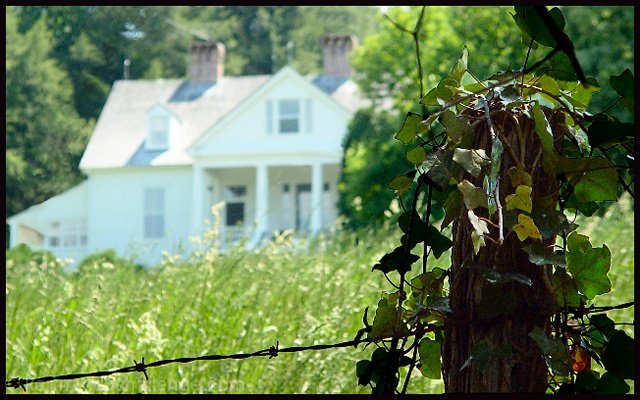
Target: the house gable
pixel 288 113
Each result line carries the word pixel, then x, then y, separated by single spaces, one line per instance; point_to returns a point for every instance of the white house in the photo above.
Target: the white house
pixel 164 151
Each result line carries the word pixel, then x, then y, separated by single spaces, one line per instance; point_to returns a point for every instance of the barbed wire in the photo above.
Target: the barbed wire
pixel 271 352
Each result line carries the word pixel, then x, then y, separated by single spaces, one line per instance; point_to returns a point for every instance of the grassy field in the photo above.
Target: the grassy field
pixel 107 315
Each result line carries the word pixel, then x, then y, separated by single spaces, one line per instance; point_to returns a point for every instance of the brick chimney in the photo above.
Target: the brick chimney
pixel 206 60
pixel 335 52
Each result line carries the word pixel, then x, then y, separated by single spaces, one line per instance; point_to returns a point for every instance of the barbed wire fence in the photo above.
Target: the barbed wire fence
pixel 142 367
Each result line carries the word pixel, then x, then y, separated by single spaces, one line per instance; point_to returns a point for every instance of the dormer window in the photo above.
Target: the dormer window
pixel 158 134
pixel 289 116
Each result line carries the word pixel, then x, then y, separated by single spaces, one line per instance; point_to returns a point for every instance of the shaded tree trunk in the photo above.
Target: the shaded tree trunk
pixel 492 320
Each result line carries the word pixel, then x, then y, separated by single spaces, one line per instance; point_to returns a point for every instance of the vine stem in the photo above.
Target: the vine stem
pixel 496 190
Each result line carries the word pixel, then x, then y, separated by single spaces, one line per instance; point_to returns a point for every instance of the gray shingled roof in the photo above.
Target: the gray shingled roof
pixel 118 137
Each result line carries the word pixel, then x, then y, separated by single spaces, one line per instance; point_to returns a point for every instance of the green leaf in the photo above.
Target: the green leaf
pixel 417 155
pixel 495 277
pixel 412 126
pixel 472 196
pixel 483 353
pixel 540 254
pixel 526 228
pixel 566 290
pixel 543 129
pixel 363 372
pixel 604 325
pixel 458 128
pixel 554 352
pixel 562 68
pixel 594 179
pixel 589 266
pixel 430 282
pixel 471 160
pixel 607 132
pixel 385 321
pixel 619 355
pixel 430 365
pixel 580 95
pixel 586 382
pixel 401 184
pixel 624 85
pixel 528 20
pixel 460 67
pixel 519 176
pixel 438 96
pixel 452 206
pixel 439 243
pixel 612 384
pixel 521 200
pixel 395 261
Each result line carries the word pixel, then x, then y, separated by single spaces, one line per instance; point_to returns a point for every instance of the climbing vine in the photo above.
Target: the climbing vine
pixel 514 157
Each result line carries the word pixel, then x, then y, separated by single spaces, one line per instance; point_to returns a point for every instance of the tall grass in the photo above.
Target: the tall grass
pixel 109 313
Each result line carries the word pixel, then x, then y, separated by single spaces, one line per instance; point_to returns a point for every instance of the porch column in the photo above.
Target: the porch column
pixel 198 195
pixel 262 201
pixel 317 187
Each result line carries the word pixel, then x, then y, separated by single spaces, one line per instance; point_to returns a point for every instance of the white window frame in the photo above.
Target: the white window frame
pixel 158 132
pixel 289 116
pixel 153 206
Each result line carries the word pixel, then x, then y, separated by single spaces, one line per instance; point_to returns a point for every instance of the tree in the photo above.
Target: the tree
pixel 518 152
pixel 44 135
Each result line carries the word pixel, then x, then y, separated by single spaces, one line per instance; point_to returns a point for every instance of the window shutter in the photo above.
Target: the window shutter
pixel 308 108
pixel 269 115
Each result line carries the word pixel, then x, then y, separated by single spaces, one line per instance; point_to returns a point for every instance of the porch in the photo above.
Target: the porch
pixel 264 198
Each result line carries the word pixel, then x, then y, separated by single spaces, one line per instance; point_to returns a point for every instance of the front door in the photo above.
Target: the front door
pixel 303 206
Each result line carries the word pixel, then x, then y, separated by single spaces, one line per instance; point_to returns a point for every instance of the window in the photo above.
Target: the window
pixel 289 120
pixel 54 234
pixel 153 213
pixel 158 138
pixel 269 115
pixel 235 197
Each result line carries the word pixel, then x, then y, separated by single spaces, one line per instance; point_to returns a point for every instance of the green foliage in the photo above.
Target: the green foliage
pixel 550 99
pixel 44 135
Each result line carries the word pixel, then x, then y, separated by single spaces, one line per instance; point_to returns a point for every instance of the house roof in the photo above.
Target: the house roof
pixel 119 134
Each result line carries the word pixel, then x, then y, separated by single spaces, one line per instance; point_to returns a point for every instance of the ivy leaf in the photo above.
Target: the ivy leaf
pixel 479 229
pixel 594 179
pixel 521 200
pixel 611 384
pixel 589 266
pixel 540 254
pixel 580 95
pixel 528 20
pixel 430 365
pixel 401 184
pixel 519 176
pixel 566 289
pixel 471 160
pixel 412 126
pixel 543 129
pixel 526 228
pixel 608 132
pixel 395 261
pixel 604 325
pixel 385 321
pixel 460 67
pixel 363 372
pixel 439 243
pixel 472 196
pixel 624 85
pixel 452 207
pixel 417 155
pixel 483 353
pixel 458 129
pixel 619 355
pixel 553 350
pixel 438 96
pixel 495 277
pixel 430 282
